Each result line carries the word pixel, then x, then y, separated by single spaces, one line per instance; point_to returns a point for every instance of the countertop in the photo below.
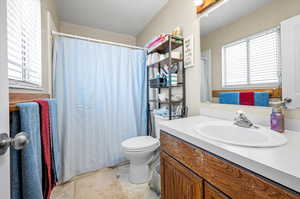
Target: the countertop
pixel 279 164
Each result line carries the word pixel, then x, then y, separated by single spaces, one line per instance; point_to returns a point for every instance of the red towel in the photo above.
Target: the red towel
pixel 247 98
pixel 48 183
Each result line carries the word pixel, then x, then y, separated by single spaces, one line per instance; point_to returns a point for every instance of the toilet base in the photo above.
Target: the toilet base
pixel 139 174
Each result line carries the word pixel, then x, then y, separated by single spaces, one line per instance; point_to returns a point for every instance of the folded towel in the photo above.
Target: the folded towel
pixel 161 112
pixel 229 98
pixel 54 139
pixel 30 163
pixel 261 99
pixel 48 183
pixel 156 41
pixel 247 98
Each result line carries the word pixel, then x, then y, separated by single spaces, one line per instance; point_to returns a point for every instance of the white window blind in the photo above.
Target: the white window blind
pixel 254 61
pixel 24 42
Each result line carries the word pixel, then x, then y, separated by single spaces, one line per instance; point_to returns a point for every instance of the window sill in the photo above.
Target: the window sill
pixel 14 84
pixel 252 86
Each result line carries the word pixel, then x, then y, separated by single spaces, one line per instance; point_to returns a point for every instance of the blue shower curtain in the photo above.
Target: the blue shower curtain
pixel 101 99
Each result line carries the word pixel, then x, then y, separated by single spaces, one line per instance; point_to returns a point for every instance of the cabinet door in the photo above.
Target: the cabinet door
pixel 213 193
pixel 290 45
pixel 178 182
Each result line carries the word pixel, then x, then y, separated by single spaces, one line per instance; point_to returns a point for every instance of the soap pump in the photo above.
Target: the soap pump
pixel 277 117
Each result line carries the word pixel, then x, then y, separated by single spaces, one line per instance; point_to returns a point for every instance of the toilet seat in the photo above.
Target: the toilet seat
pixel 141 143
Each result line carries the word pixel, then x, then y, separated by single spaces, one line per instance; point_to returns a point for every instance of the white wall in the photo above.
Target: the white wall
pixel 264 18
pixel 51 6
pixel 179 13
pixel 96 33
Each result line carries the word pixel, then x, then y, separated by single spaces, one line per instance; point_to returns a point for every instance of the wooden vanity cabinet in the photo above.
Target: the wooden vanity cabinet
pixel 212 193
pixel 188 172
pixel 178 181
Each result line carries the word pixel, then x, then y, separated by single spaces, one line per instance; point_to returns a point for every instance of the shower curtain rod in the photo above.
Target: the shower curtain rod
pixel 97 40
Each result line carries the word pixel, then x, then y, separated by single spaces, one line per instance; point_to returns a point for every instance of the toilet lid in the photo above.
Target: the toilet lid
pixel 140 143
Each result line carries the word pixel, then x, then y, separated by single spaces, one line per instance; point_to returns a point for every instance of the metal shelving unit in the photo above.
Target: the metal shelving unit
pixel 167 47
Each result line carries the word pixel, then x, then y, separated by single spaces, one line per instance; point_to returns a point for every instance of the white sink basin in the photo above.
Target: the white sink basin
pixel 229 133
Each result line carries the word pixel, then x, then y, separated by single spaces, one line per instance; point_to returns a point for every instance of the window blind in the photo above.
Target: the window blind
pixel 254 61
pixel 236 65
pixel 24 41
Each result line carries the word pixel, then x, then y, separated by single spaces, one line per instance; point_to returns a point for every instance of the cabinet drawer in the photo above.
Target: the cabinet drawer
pixel 179 182
pixel 234 181
pixel 212 193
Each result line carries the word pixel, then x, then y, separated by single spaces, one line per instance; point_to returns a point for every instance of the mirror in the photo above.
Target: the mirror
pixel 241 51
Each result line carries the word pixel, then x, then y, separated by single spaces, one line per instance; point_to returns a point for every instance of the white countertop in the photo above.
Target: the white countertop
pixel 280 164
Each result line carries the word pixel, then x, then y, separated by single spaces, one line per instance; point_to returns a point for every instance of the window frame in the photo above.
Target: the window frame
pixel 24 84
pixel 247 40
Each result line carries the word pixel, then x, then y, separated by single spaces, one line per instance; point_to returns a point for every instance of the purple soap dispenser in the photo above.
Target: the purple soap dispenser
pixel 277 117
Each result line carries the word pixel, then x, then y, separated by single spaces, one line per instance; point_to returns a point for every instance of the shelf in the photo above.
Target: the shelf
pixel 178 85
pixel 173 86
pixel 166 62
pixel 164 47
pixel 173 102
pixel 167 117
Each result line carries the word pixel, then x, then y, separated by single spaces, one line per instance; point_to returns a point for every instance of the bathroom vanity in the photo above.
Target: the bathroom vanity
pixel 193 167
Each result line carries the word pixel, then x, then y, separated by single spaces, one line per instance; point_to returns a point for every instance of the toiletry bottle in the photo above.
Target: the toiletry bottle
pixel 277 117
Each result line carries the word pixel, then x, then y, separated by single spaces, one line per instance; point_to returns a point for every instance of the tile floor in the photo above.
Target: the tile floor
pixel 103 184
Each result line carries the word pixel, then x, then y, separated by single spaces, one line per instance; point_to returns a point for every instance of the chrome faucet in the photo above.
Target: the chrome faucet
pixel 241 120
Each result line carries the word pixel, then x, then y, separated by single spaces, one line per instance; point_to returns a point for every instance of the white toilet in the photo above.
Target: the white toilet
pixel 140 151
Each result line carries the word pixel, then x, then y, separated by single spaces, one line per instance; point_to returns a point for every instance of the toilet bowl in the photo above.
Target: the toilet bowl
pixel 140 152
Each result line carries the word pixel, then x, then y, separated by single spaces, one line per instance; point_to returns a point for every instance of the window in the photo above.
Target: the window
pixel 24 43
pixel 252 62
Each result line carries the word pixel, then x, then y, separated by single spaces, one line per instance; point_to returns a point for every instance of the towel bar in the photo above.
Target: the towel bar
pixel 15 98
pixel 274 92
